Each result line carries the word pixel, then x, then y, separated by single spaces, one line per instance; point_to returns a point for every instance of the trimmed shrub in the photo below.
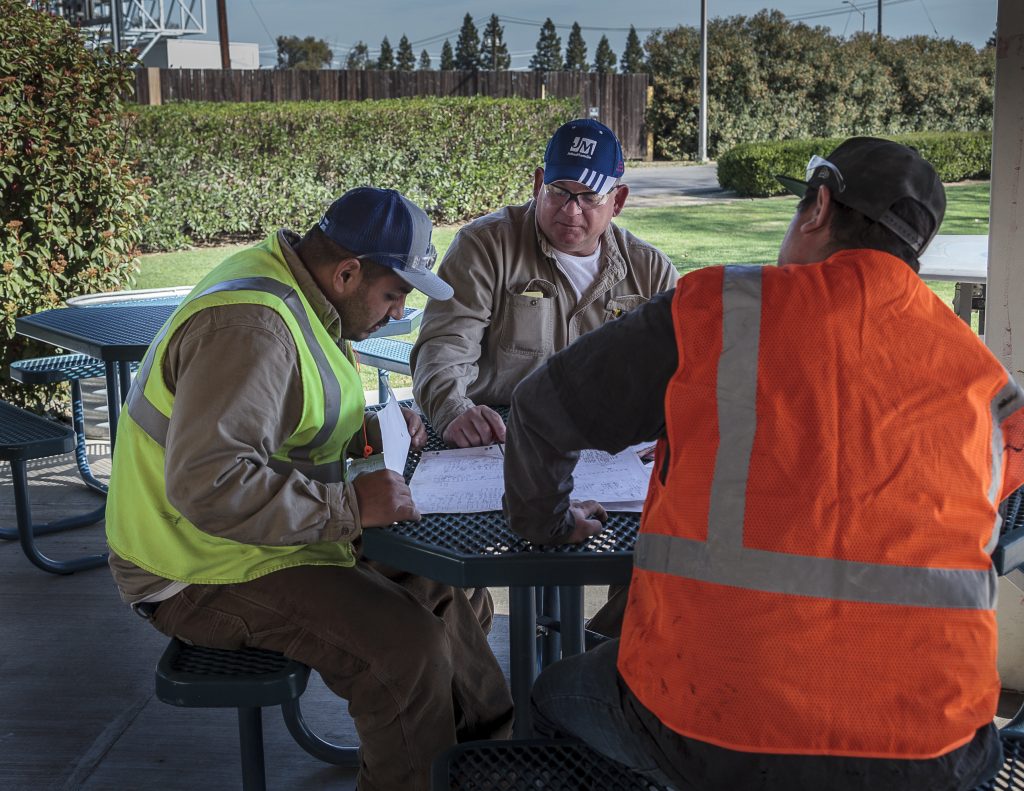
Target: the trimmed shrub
pixel 223 170
pixel 71 205
pixel 750 168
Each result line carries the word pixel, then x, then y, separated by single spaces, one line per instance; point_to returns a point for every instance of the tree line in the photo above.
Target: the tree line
pixel 473 51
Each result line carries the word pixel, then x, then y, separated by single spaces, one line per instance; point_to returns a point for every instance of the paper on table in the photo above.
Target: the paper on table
pixel 394 434
pixel 459 481
pixel 469 480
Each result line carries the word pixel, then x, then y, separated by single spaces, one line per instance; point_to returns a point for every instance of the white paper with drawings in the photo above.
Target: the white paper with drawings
pixel 469 480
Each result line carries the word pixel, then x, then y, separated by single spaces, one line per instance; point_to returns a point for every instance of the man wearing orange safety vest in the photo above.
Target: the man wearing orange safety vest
pixel 813 600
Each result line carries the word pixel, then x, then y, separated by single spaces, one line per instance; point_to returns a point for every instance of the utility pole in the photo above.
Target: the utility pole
pixel 702 145
pixel 222 29
pixel 879 20
pixel 116 21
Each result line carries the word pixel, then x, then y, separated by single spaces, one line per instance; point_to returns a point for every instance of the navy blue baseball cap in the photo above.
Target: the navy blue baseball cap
pixel 387 228
pixel 585 151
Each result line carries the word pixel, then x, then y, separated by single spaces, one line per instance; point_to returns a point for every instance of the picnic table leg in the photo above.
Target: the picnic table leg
pixel 522 644
pixel 27 531
pixel 571 597
pixel 549 635
pixel 113 398
pixel 124 377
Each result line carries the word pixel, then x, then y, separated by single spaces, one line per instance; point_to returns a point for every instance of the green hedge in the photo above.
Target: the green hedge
pixel 70 208
pixel 219 170
pixel 750 168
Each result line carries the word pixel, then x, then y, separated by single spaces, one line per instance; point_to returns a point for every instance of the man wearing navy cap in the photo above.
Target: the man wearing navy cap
pixel 231 519
pixel 529 280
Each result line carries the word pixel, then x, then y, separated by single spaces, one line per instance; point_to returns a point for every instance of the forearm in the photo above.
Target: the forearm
pixel 538 473
pixel 245 500
pixel 238 398
pixel 445 358
pixel 585 397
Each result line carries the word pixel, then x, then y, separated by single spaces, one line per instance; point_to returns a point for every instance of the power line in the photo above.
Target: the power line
pixel 836 12
pixel 929 17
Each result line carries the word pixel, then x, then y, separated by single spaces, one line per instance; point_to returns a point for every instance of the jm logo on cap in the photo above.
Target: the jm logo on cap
pixel 583 147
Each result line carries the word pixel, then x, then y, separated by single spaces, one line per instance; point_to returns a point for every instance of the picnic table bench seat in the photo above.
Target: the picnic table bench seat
pixel 530 764
pixel 25 436
pixel 384 354
pixel 247 679
pixel 70 368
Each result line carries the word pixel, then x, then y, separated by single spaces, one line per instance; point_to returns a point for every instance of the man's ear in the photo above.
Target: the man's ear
pixel 346 276
pixel 538 181
pixel 619 199
pixel 821 213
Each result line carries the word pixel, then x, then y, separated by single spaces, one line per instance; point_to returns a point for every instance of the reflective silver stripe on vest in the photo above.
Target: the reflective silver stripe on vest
pixel 723 559
pixel 153 422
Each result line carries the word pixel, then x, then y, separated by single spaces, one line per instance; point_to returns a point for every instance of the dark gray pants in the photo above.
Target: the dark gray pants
pixel 583 696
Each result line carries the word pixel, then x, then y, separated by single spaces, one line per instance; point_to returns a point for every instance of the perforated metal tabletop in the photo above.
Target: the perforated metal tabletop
pixel 479 550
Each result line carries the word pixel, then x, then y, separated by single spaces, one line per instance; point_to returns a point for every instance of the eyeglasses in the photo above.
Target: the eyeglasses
pixel 586 201
pixel 816 162
pixel 407 262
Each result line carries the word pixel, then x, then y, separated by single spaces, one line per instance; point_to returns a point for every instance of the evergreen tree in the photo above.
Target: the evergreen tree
pixel 467 48
pixel 386 61
pixel 494 53
pixel 548 56
pixel 633 58
pixel 424 61
pixel 604 58
pixel 406 59
pixel 576 50
pixel 447 58
pixel 358 57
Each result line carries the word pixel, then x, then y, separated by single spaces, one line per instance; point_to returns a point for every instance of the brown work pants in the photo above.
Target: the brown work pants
pixel 408 654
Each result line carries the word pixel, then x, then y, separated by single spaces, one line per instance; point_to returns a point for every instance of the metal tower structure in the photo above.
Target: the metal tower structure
pixel 134 24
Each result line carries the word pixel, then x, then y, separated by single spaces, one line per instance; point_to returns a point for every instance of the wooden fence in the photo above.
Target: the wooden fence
pixel 617 100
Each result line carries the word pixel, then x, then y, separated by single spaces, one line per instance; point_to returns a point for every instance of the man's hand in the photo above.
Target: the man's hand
pixel 417 431
pixel 474 428
pixel 589 516
pixel 383 498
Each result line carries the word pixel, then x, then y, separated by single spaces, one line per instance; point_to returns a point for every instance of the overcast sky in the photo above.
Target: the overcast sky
pixel 427 23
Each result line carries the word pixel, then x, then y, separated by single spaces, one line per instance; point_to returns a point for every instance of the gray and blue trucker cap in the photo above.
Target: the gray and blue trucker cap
pixel 389 229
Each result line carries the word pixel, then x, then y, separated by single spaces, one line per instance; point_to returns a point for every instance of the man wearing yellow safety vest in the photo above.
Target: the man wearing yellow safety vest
pixel 813 601
pixel 231 520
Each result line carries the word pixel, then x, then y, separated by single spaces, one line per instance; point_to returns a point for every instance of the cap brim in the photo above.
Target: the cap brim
pixel 797 187
pixel 427 282
pixel 598 182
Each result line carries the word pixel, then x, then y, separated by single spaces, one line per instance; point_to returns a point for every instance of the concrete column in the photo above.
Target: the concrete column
pixel 1005 292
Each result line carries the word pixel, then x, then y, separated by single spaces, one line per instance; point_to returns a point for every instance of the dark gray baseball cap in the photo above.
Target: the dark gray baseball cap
pixel 869 175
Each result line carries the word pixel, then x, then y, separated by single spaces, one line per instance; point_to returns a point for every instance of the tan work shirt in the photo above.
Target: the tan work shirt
pixel 237 397
pixel 513 308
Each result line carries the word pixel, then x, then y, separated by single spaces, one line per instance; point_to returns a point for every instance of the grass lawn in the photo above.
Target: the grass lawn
pixel 743 231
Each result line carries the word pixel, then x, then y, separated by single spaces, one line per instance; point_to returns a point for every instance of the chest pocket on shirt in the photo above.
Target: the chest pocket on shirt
pixel 620 305
pixel 527 323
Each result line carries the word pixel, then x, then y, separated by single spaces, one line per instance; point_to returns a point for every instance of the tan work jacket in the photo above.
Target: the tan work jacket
pixel 513 308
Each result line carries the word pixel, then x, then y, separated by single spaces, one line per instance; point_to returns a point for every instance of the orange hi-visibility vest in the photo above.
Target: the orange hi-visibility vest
pixel 813 572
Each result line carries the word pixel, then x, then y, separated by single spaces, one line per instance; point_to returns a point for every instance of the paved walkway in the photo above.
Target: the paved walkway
pixel 674 185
